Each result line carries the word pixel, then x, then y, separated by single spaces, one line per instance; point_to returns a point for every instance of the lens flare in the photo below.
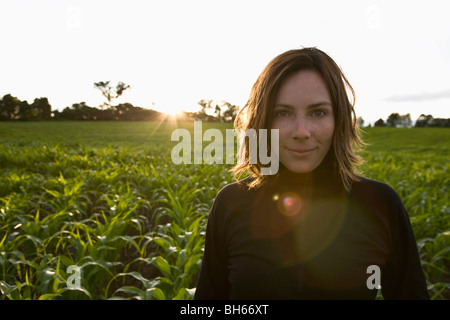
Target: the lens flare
pixel 319 228
pixel 289 204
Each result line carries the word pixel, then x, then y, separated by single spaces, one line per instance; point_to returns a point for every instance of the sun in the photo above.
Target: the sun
pixel 171 113
pixel 171 110
pixel 174 115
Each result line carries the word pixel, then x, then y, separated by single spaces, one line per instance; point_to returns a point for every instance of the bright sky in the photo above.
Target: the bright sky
pixel 396 54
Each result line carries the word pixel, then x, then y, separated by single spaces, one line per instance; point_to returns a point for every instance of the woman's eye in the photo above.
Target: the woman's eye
pixel 282 113
pixel 319 113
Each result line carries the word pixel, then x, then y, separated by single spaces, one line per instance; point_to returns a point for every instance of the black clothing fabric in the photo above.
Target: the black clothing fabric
pixel 305 237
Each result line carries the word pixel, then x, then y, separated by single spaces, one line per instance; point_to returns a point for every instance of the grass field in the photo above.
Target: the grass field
pixel 106 197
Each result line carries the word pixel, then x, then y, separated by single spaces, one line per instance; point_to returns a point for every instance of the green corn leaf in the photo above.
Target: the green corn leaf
pixel 155 294
pixel 162 265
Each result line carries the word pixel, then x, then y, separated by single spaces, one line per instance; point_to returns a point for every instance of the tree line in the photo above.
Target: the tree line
pixel 404 121
pixel 13 109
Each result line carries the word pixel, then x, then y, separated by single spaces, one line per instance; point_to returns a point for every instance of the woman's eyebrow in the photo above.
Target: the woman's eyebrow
pixel 309 106
pixel 319 104
pixel 284 105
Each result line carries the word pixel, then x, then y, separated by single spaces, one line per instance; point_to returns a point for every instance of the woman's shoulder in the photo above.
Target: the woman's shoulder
pixel 237 194
pixel 235 189
pixel 375 191
pixel 378 200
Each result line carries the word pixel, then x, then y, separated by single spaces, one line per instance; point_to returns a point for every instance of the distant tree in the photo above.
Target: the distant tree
pixel 109 92
pixel 205 104
pixel 65 114
pixel 222 110
pixel 25 111
pixel 379 123
pixel 126 111
pixel 78 111
pixel 424 120
pixel 40 109
pixel 393 120
pixel 440 122
pixel 9 107
pixel 202 114
pixel 360 122
pixel 231 111
pixel 106 115
pixel 218 110
pixel 405 121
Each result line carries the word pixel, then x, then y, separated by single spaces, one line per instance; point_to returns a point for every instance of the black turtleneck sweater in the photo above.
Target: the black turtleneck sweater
pixel 305 237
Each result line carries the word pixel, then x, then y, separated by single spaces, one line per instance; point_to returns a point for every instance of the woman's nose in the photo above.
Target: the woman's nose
pixel 301 129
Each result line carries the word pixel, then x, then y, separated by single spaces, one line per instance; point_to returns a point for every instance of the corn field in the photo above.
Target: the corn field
pixel 105 197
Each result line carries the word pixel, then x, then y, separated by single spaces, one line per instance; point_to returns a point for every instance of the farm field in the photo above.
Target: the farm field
pixel 107 198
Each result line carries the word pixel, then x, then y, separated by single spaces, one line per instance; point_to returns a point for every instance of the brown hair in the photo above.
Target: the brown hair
pixel 257 112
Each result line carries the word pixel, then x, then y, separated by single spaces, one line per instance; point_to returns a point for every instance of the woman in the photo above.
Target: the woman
pixel 316 229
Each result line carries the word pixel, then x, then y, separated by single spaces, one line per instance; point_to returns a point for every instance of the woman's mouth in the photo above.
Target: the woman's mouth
pixel 301 152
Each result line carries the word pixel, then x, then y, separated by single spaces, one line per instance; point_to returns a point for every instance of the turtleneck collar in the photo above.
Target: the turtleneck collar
pixel 287 178
pixel 322 178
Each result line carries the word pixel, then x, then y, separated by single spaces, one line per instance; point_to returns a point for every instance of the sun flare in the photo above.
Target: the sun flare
pixel 172 111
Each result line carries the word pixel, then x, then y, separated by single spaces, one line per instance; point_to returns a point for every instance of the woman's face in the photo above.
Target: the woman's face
pixel 303 113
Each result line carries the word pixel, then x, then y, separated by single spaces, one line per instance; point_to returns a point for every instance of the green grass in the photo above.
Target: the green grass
pixel 105 196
